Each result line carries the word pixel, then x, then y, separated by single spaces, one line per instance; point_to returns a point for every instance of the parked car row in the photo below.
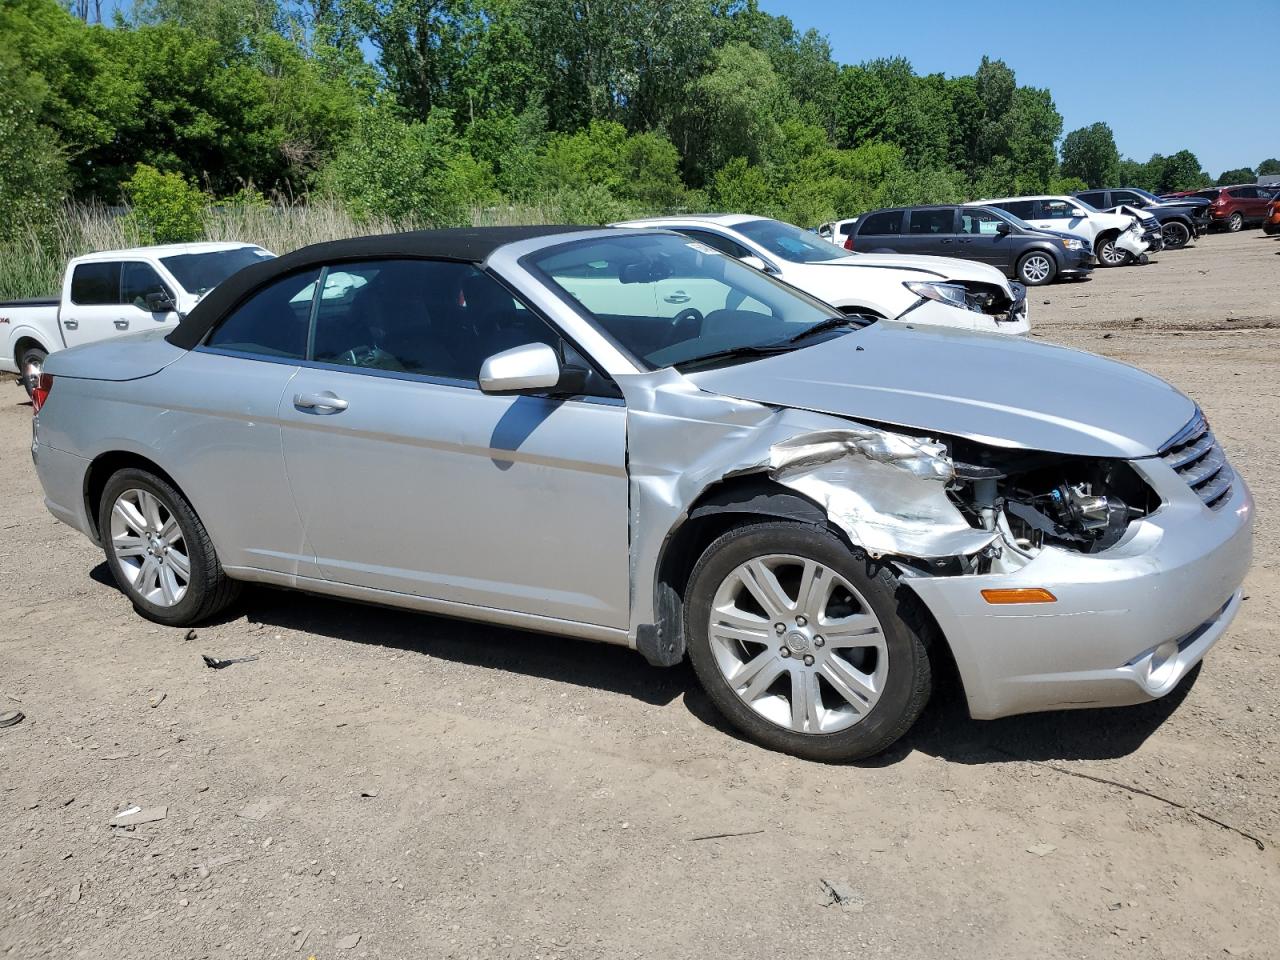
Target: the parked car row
pixel 658 436
pixel 1234 208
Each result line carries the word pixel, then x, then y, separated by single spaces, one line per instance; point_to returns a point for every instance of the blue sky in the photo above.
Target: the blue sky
pixel 1220 101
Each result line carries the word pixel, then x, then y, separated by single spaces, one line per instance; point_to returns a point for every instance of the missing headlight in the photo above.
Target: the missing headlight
pixel 1071 502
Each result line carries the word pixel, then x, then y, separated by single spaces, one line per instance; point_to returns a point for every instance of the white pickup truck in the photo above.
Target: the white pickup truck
pixel 112 294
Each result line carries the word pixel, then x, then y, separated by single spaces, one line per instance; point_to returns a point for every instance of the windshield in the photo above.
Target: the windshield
pixel 790 242
pixel 670 300
pixel 201 272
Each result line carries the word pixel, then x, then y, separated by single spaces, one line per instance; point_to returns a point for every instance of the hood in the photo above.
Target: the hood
pixel 120 358
pixel 1043 232
pixel 1180 202
pixel 1004 391
pixel 947 268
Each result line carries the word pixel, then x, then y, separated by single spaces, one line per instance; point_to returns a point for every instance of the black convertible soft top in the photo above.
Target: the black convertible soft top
pixel 462 244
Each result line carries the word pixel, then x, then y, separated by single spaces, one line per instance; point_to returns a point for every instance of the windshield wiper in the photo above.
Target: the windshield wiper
pixel 831 323
pixel 735 353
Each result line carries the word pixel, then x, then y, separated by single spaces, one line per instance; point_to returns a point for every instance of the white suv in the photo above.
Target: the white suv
pixel 975 296
pixel 1116 238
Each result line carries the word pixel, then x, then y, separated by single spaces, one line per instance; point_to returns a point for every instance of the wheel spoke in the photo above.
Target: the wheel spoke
pixel 806 702
pixel 144 580
pixel 763 585
pixel 755 676
pixel 131 517
pixel 150 510
pixel 859 630
pixel 170 529
pixel 853 685
pixel 168 584
pixel 127 546
pixel 815 588
pixel 179 564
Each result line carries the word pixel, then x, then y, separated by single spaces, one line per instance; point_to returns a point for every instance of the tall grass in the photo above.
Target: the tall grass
pixel 32 264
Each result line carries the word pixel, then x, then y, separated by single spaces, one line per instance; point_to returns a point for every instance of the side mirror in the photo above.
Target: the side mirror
pixel 532 368
pixel 1077 212
pixel 160 302
pixel 1003 229
pixel 757 264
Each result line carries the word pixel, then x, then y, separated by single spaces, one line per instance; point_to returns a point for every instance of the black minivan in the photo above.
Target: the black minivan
pixel 985 234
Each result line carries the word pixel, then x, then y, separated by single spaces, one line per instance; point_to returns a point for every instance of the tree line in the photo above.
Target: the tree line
pixel 426 110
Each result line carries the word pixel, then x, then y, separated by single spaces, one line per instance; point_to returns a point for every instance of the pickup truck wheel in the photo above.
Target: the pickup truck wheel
pixel 1108 254
pixel 804 645
pixel 159 552
pixel 31 364
pixel 1037 268
pixel 1235 222
pixel 1175 235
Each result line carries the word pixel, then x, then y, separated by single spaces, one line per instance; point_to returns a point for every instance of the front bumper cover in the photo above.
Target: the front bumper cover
pixel 1129 622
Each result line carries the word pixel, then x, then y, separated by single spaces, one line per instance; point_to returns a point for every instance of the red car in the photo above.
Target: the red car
pixel 1234 207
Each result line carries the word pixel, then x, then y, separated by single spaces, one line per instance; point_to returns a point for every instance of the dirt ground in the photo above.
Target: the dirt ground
pixel 441 789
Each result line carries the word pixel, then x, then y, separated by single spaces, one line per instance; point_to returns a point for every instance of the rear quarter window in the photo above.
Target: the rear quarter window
pixel 96 283
pixel 885 223
pixel 272 322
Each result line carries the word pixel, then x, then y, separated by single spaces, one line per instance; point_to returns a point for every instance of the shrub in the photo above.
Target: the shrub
pixel 166 208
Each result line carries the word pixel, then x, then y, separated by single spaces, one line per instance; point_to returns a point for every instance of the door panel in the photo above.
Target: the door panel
pixel 107 300
pixel 441 491
pixel 980 239
pixel 221 441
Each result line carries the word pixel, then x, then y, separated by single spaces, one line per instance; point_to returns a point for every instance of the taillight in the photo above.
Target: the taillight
pixel 40 392
pixel 848 242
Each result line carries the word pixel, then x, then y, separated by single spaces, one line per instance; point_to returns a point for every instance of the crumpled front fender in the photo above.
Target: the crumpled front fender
pixel 885 490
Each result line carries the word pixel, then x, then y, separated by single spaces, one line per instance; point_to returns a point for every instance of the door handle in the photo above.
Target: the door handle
pixel 325 402
pixel 678 297
pixel 71 324
pixel 122 324
pixel 944 241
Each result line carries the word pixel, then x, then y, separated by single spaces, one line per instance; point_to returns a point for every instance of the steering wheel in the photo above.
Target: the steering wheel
pixel 362 356
pixel 690 314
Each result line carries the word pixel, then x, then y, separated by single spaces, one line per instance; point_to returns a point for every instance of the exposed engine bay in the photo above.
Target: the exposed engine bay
pixel 1035 498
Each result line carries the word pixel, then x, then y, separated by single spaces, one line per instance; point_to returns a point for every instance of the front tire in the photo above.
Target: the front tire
pixel 1175 235
pixel 1235 222
pixel 1037 268
pixel 30 366
pixel 1108 254
pixel 805 646
pixel 159 552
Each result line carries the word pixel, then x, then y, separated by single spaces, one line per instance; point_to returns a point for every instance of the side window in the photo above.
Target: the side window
pixel 1098 198
pixel 95 284
pixel 1125 196
pixel 1026 209
pixel 429 317
pixel 848 228
pixel 979 223
pixel 1246 193
pixel 718 242
pixel 137 280
pixel 1055 209
pixel 933 221
pixel 273 321
pixel 885 223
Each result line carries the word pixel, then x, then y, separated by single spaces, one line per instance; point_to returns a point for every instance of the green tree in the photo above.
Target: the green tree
pixel 33 167
pixel 165 207
pixel 1090 155
pixel 403 170
pixel 741 187
pixel 1269 167
pixel 1239 175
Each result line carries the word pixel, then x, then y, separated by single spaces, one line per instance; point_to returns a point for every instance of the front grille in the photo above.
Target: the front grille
pixel 1196 456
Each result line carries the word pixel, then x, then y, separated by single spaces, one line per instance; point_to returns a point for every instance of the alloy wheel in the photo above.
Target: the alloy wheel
pixel 1235 222
pixel 1110 254
pixel 1035 269
pixel 798 644
pixel 150 548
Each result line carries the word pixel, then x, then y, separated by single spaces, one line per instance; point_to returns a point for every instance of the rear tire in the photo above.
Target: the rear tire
pixel 1037 268
pixel 843 696
pixel 30 365
pixel 159 552
pixel 1235 222
pixel 1175 235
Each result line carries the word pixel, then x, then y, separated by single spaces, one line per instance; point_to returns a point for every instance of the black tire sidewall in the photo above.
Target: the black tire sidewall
pixel 909 677
pixel 203 565
pixel 1053 268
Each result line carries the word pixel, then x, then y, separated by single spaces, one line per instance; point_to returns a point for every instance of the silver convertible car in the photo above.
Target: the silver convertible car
pixel 627 436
